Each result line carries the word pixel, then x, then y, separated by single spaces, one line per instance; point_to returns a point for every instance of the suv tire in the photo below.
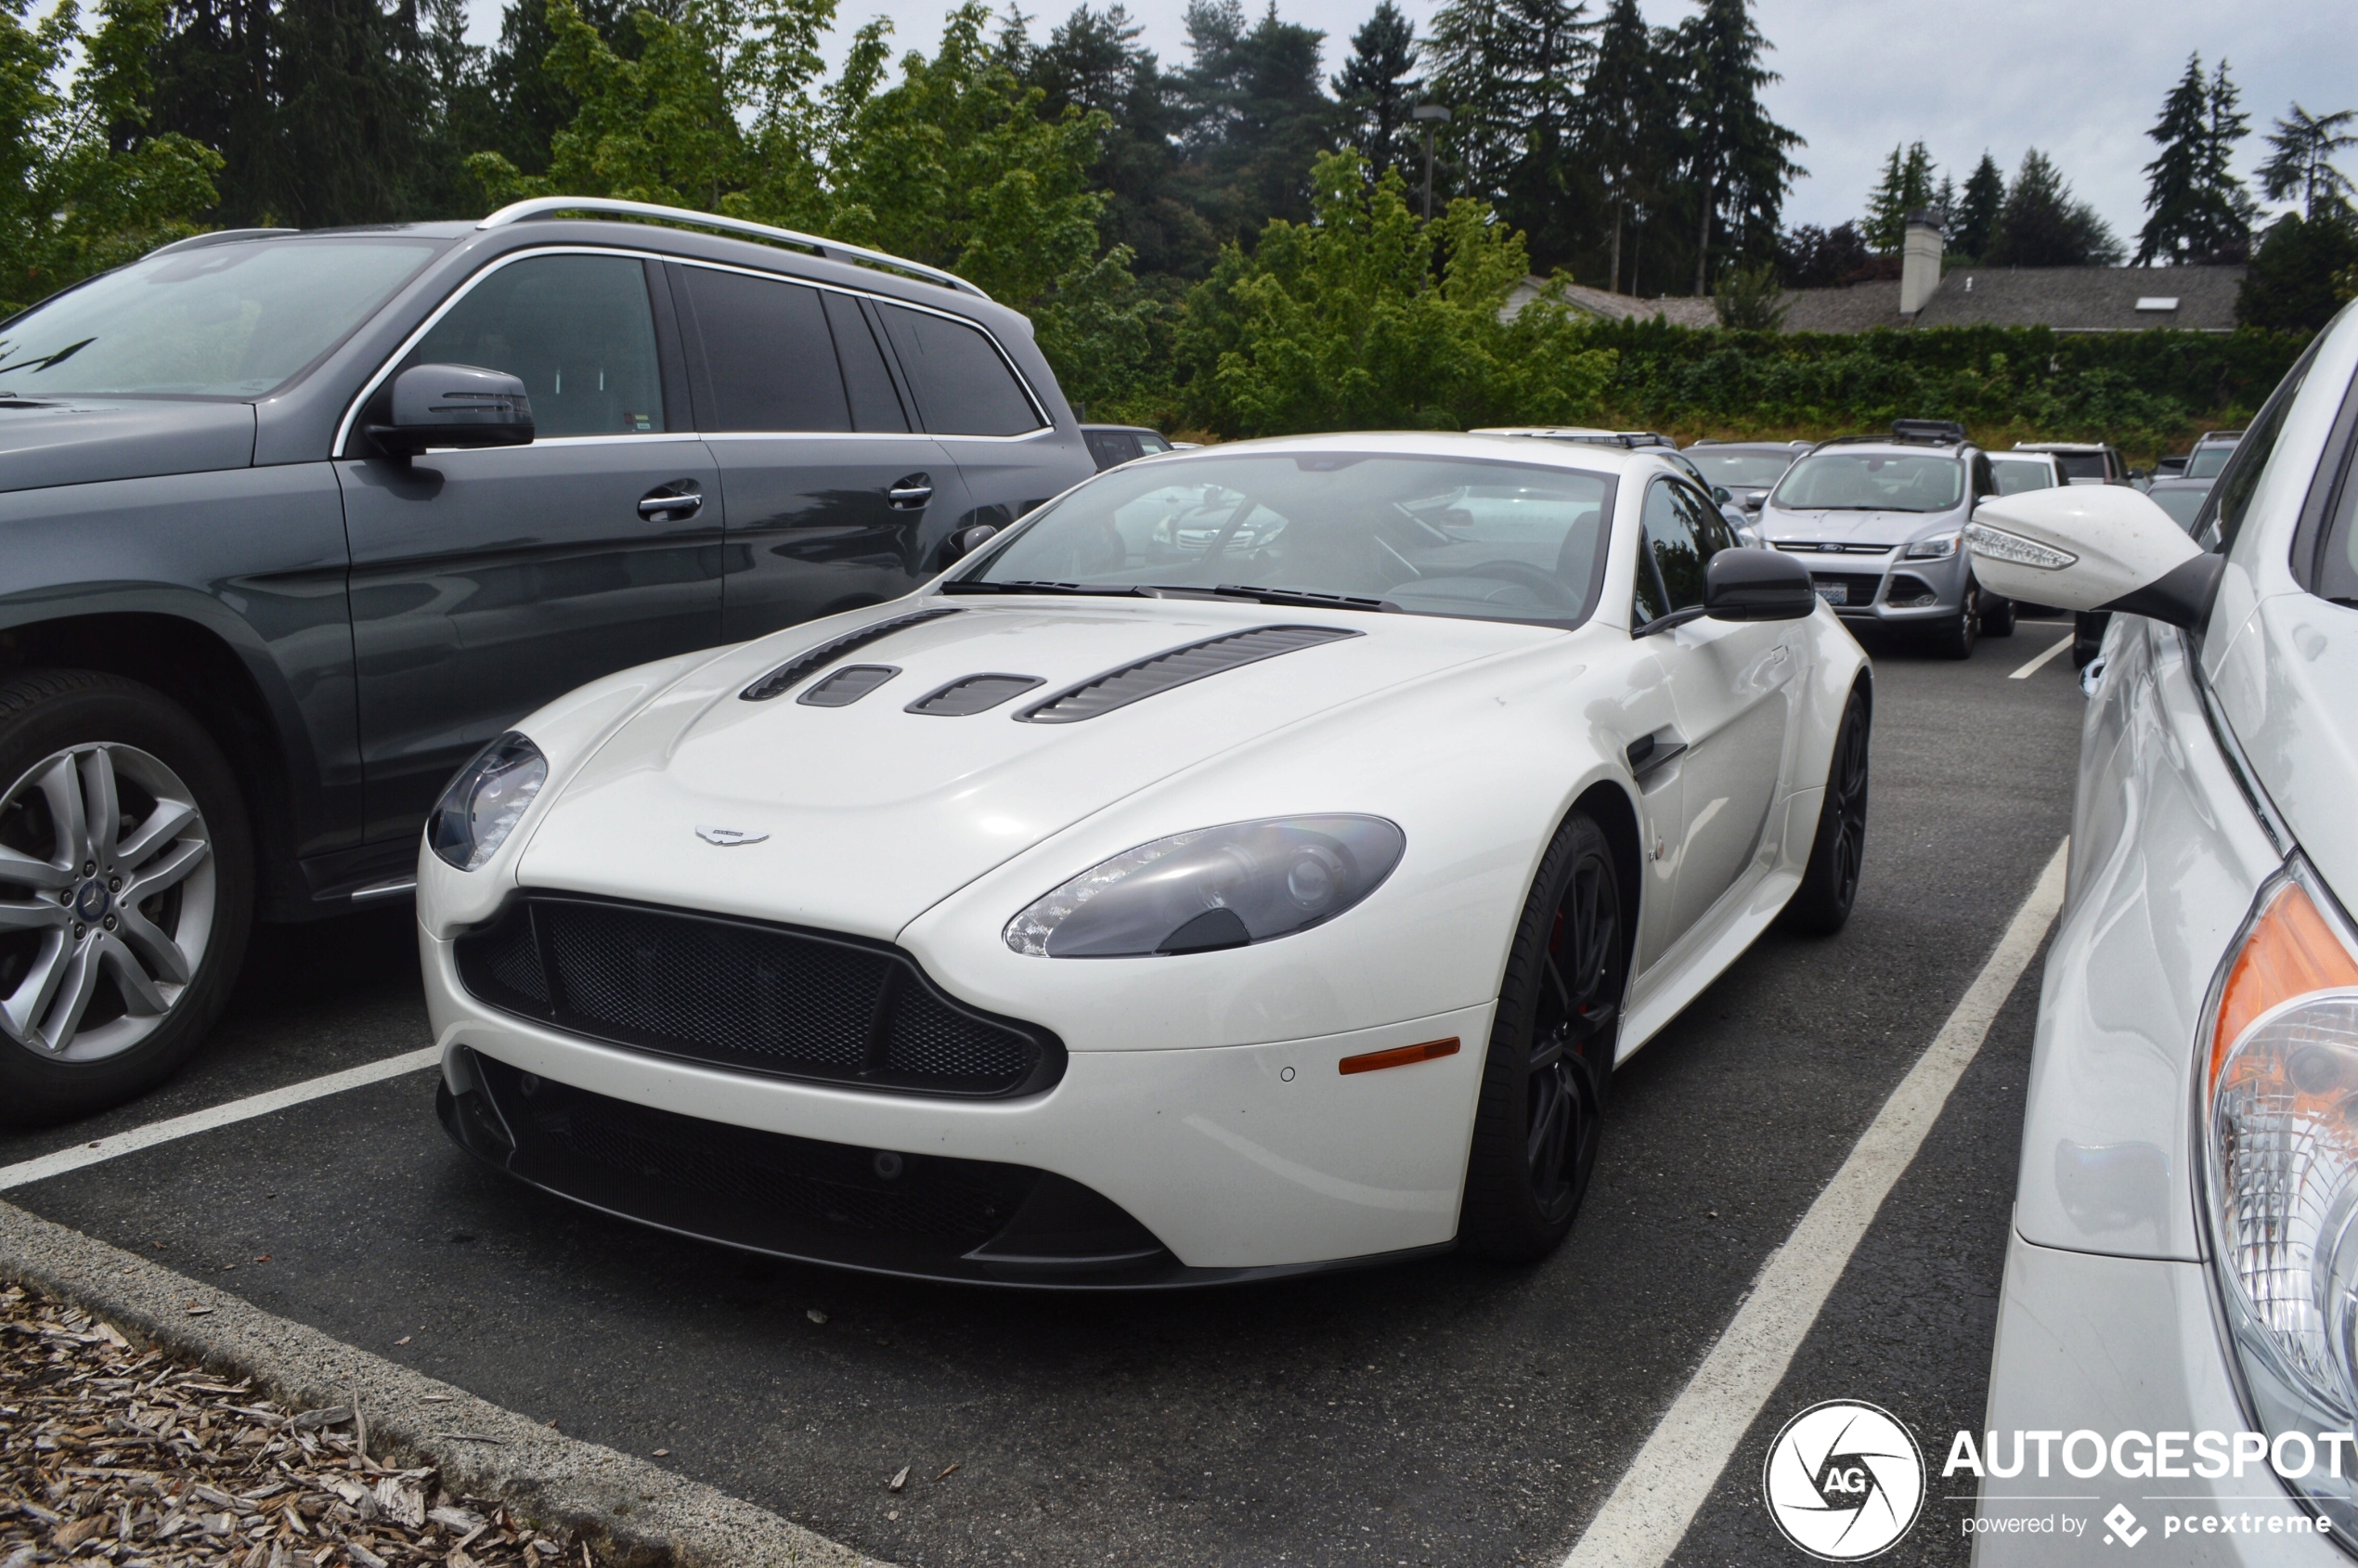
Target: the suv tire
pixel 1955 637
pixel 1997 616
pixel 126 891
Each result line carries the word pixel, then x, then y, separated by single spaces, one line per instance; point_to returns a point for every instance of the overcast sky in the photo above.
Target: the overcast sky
pixel 2082 80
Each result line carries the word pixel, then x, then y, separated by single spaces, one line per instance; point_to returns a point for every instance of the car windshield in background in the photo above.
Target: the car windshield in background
pixel 1871 482
pixel 2208 461
pixel 2182 505
pixel 2083 465
pixel 1433 535
pixel 2017 475
pixel 1739 471
pixel 232 321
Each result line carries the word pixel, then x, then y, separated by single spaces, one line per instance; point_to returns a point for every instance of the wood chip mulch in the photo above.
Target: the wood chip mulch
pixel 107 1454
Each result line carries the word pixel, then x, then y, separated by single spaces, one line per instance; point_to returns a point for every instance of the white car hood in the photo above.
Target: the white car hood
pixel 871 814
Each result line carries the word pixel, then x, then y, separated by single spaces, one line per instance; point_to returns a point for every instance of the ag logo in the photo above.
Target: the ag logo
pixel 1844 1480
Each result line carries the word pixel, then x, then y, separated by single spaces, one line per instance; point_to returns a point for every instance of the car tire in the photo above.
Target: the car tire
pixel 1997 616
pixel 126 891
pixel 1821 906
pixel 1955 637
pixel 1550 1058
pixel 2087 636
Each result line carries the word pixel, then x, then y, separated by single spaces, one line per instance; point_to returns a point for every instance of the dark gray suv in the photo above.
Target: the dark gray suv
pixel 293 523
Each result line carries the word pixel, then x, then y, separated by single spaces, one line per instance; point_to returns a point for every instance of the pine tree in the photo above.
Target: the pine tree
pixel 1254 114
pixel 1378 88
pixel 1509 73
pixel 1736 154
pixel 1628 129
pixel 2040 225
pixel 1905 188
pixel 1093 62
pixel 2200 212
pixel 1976 216
pixel 2302 167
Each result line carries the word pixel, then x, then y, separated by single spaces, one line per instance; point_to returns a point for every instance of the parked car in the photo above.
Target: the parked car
pixel 1747 470
pixel 296 524
pixel 1640 441
pixel 1082 920
pixel 2212 452
pixel 2017 472
pixel 2181 499
pixel 2083 463
pixel 2170 467
pixel 1879 521
pixel 1110 444
pixel 2178 1259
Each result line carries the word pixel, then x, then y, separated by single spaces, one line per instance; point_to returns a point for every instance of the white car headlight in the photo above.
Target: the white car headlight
pixel 2281 1056
pixel 1940 547
pixel 486 801
pixel 1213 888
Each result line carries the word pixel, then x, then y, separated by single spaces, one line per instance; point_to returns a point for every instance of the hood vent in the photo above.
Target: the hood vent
pixel 790 674
pixel 1176 666
pixel 973 694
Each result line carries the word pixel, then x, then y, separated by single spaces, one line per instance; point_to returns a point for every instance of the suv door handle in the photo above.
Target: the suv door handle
pixel 671 503
pixel 910 493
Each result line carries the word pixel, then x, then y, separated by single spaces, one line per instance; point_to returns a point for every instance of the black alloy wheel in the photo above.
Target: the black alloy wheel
pixel 1955 638
pixel 1551 1055
pixel 1830 882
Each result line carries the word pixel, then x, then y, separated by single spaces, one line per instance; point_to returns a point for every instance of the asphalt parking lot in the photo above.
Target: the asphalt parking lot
pixel 1441 1412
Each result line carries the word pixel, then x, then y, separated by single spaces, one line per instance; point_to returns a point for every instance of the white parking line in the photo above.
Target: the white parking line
pixel 2031 669
pixel 75 1158
pixel 1648 1514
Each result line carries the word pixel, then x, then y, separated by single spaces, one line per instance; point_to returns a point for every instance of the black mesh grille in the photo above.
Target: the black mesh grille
pixel 1176 666
pixel 787 675
pixel 761 998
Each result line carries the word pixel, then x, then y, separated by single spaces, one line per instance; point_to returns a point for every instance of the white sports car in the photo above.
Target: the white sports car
pixel 1132 909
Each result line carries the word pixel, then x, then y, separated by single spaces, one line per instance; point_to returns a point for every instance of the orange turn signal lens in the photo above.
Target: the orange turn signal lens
pixel 2291 952
pixel 1399 1055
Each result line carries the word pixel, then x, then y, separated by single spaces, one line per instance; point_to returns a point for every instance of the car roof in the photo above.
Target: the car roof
pixel 1131 429
pixel 1481 443
pixel 1626 440
pixel 2019 455
pixel 2218 437
pixel 1750 445
pixel 2180 481
pixel 2061 446
pixel 1874 446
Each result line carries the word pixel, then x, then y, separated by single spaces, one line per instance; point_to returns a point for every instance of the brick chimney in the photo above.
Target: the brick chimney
pixel 1920 264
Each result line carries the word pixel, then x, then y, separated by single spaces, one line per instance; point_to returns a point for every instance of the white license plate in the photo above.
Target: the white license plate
pixel 1833 593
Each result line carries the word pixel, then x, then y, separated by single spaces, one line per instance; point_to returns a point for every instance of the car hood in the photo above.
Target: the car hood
pixel 1883 529
pixel 859 818
pixel 46 441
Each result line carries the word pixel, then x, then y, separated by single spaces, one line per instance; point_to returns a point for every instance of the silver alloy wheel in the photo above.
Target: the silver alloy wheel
pixel 106 894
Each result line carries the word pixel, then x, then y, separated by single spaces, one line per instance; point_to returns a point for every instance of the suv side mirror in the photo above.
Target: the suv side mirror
pixel 1757 585
pixel 966 541
pixel 1719 493
pixel 449 406
pixel 2100 548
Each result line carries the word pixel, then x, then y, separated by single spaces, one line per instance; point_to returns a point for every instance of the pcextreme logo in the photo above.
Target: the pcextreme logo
pixel 1844 1480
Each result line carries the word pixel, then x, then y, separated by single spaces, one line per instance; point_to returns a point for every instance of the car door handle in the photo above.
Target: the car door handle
pixel 909 494
pixel 671 503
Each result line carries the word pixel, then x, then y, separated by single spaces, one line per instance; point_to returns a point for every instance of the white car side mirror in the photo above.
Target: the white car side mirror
pixel 2092 546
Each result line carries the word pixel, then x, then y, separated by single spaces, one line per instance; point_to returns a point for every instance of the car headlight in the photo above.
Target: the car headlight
pixel 2281 1056
pixel 1940 547
pixel 1213 888
pixel 486 801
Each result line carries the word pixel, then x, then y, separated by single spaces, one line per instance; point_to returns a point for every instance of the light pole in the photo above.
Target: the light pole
pixel 1433 116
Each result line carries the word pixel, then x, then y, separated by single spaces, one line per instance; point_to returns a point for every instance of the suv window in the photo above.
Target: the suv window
pixel 1985 483
pixel 769 358
pixel 1110 447
pixel 2084 465
pixel 874 405
pixel 963 386
pixel 578 331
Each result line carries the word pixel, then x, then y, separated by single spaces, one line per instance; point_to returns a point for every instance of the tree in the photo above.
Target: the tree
pixel 84 184
pixel 2198 209
pixel 1377 87
pixel 2302 164
pixel 1820 258
pixel 1629 125
pixel 1905 188
pixel 1510 72
pixel 1976 220
pixel 1737 161
pixel 2292 284
pixel 2040 225
pixel 1749 299
pixel 1253 114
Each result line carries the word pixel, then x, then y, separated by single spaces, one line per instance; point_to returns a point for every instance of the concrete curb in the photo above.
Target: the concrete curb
pixel 646 1517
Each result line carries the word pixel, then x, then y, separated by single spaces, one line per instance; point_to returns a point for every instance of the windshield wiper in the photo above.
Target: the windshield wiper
pixel 978 585
pixel 1303 599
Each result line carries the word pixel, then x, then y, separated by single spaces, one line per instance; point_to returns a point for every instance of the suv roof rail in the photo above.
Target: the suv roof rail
pixel 218 237
pixel 547 206
pixel 1945 431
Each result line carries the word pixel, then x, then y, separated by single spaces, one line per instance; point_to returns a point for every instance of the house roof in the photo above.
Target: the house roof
pixel 1679 311
pixel 2069 299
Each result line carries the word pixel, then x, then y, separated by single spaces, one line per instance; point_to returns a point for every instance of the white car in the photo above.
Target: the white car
pixel 1113 913
pixel 2181 1282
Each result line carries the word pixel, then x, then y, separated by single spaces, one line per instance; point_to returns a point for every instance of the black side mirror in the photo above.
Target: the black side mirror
pixel 1757 585
pixel 1719 493
pixel 449 406
pixel 966 541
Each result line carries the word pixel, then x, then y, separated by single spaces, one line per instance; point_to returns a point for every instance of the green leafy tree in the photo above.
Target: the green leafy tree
pixel 2042 225
pixel 1905 188
pixel 85 185
pixel 1378 86
pixel 1975 223
pixel 2301 167
pixel 2294 281
pixel 1749 299
pixel 1346 322
pixel 2199 210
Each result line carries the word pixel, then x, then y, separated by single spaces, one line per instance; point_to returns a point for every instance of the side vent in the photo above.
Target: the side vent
pixel 1176 666
pixel 973 694
pixel 787 676
pixel 847 685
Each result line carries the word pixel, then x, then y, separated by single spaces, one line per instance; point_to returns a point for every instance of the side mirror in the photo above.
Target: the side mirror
pixel 966 541
pixel 449 406
pixel 1757 585
pixel 2102 548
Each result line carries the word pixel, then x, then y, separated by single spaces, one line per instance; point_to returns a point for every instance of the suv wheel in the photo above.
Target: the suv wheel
pixel 1997 616
pixel 1955 638
pixel 127 891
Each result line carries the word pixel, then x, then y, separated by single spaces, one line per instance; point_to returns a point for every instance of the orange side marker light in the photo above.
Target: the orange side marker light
pixel 1399 1055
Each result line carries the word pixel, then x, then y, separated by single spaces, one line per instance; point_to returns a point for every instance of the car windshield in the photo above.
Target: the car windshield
pixel 1433 535
pixel 1871 482
pixel 2083 465
pixel 2208 461
pixel 1737 470
pixel 232 321
pixel 2018 474
pixel 2182 505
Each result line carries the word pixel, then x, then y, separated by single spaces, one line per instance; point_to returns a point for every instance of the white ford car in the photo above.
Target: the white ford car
pixel 1137 907
pixel 2177 1340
